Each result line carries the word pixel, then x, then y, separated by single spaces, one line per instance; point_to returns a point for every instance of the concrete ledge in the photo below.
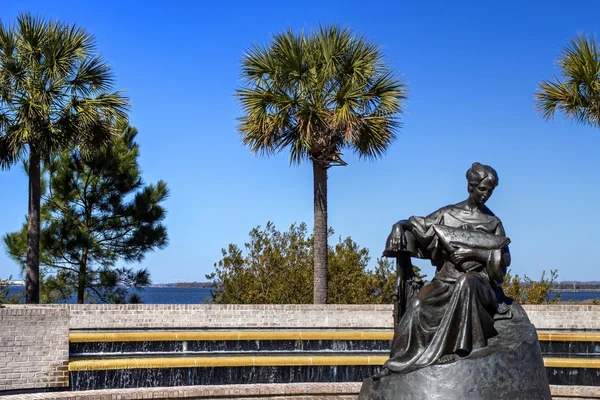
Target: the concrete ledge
pixel 308 391
pixel 575 392
pixel 279 391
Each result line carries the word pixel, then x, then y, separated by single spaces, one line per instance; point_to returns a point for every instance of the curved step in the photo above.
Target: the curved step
pixel 280 391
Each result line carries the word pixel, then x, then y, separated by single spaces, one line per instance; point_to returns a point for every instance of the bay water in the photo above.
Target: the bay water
pixel 156 295
pixel 192 295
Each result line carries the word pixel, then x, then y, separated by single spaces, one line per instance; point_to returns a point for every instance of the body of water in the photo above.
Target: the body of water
pixel 156 295
pixel 577 296
pixel 181 295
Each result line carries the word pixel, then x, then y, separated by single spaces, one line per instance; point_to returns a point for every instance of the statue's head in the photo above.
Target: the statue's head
pixel 482 179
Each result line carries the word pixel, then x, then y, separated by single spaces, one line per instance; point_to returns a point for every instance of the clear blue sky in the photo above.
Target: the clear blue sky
pixel 471 67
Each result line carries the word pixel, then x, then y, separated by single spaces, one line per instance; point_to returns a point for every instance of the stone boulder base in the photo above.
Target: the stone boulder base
pixel 509 368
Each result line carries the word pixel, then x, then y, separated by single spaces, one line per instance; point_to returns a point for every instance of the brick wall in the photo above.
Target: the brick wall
pixel 34 339
pixel 230 316
pixel 159 316
pixel 34 348
pixel 564 316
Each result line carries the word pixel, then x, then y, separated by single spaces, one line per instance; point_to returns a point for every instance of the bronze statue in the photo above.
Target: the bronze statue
pixel 458 337
pixel 453 314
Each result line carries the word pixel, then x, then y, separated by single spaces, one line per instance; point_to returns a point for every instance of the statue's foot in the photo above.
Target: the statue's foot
pixel 384 372
pixel 448 358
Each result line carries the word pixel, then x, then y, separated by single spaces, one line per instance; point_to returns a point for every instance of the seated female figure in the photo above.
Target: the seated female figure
pixel 454 314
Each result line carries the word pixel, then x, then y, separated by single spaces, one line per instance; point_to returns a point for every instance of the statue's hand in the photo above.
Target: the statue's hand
pixel 460 255
pixel 397 237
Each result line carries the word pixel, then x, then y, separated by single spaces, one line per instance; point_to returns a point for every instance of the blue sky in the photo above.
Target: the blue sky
pixel 471 67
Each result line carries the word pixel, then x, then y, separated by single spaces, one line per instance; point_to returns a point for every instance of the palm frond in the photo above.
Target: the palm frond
pixel 30 39
pixel 93 76
pixel 375 136
pixel 576 93
pixel 257 65
pixel 10 152
pixel 55 92
pixel 314 94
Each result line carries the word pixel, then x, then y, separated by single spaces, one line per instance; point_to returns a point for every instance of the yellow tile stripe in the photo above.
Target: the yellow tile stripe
pixel 569 336
pixel 182 362
pixel 572 362
pixel 248 361
pixel 216 335
pixel 285 335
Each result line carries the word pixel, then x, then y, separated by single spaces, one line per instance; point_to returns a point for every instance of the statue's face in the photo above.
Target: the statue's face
pixel 483 191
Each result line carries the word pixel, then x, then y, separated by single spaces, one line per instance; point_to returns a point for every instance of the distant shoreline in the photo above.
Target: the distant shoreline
pixel 205 285
pixel 157 285
pixel 210 285
pixel 176 294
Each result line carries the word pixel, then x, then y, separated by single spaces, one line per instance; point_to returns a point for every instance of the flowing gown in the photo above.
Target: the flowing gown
pixel 454 314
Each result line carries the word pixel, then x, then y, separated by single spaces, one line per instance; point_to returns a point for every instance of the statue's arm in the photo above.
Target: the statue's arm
pixel 496 260
pixel 505 252
pixel 402 226
pixel 398 240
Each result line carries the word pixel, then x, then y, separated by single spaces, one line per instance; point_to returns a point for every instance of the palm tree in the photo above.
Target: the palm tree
pixel 577 93
pixel 55 93
pixel 317 95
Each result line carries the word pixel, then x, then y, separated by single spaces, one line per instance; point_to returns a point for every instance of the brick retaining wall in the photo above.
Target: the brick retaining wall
pixel 34 339
pixel 164 316
pixel 34 348
pixel 564 316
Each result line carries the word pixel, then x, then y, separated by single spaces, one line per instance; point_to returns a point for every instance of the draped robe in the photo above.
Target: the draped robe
pixel 454 314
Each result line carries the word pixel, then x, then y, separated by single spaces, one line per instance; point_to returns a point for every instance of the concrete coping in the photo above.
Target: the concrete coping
pixel 289 390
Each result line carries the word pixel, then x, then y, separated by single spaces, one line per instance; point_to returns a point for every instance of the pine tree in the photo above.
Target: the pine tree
pixel 96 213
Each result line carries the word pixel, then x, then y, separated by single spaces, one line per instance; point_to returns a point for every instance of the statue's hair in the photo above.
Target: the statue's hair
pixel 479 172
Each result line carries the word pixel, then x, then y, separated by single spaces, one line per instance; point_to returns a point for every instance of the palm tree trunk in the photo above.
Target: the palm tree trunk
pixel 320 233
pixel 32 277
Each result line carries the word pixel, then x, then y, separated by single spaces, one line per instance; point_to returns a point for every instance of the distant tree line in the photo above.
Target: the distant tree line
pixel 576 285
